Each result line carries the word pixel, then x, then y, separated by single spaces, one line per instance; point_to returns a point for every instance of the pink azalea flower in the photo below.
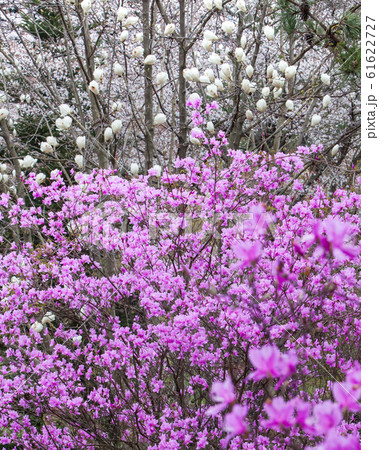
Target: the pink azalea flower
pixel 326 416
pixel 223 394
pixel 247 252
pixel 280 414
pixel 234 423
pixel 270 362
pixel 338 442
pixel 347 395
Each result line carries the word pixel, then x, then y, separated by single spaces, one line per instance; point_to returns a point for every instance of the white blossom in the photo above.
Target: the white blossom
pixel 116 126
pixel 108 133
pixel 261 105
pixel 269 32
pixel 289 105
pixel 326 101
pixel 316 119
pixel 214 59
pixel 81 142
pixel 79 160
pixel 37 327
pixel 86 6
pixel 325 79
pixel 228 27
pixel 3 113
pixel 94 87
pixel 169 29
pixel 160 119
pixel 290 72
pixel 134 169
pixel 137 52
pixel 121 13
pixel 131 21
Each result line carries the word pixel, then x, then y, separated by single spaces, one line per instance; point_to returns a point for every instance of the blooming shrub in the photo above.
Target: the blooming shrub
pixel 196 309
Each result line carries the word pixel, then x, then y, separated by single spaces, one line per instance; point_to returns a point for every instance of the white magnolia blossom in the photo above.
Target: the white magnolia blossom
pixel 269 32
pixel 116 126
pixel 290 72
pixel 218 4
pixel 48 318
pixel 117 106
pixel 5 178
pixel 241 6
pixel 278 92
pixel 335 150
pixel 3 167
pixel 134 169
pixel 243 41
pixel 77 339
pixel 137 52
pixel 278 82
pixel 204 79
pixel 195 96
pixel 161 78
pixel 150 60
pixel 210 36
pixel 208 4
pixel 207 45
pixel 169 29
pixel 108 133
pixel 239 54
pixel 40 178
pixel 81 142
pixel 124 35
pixel 261 105
pixel 228 27
pixel 214 59
pixel 289 105
pixel 245 84
pixel 86 6
pixel 225 70
pixel 326 101
pixel 283 66
pixel 51 140
pixel 98 75
pixel 210 74
pixel 249 114
pixel 266 91
pixel 195 74
pixel 79 160
pixel 131 21
pixel 212 90
pixel 316 119
pixel 46 148
pixel 94 87
pixel 37 327
pixel 65 110
pixel 138 38
pixel 158 169
pixel 325 79
pixel 118 69
pixel 28 162
pixel 187 74
pixel 218 83
pixel 121 13
pixel 160 119
pixel 3 113
pixel 270 71
pixel 249 71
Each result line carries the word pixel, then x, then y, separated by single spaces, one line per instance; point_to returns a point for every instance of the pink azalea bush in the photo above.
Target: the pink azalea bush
pixel 199 309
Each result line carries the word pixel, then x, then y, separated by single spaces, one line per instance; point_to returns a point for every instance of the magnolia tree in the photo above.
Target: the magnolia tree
pixel 179 207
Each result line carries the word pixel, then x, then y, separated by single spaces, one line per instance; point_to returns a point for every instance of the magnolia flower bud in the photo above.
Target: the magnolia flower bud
pixel 94 87
pixel 316 119
pixel 283 66
pixel 210 127
pixel 290 72
pixel 116 126
pixel 160 119
pixel 86 6
pixel 137 52
pixel 98 75
pixel 121 13
pixel 195 74
pixel 3 167
pixel 161 78
pixel 326 101
pixel 208 4
pixel 278 82
pixel 266 91
pixel 261 105
pixel 277 92
pixel 204 79
pixel 118 69
pixel 210 74
pixel 249 114
pixel 169 29
pixel 335 150
pixel 37 327
pixel 81 142
pixel 228 27
pixel 210 36
pixel 40 178
pixel 218 4
pixel 214 59
pixel 239 54
pixel 212 90
pixel 3 113
pixel 289 105
pixel 65 110
pixel 131 21
pixel 241 6
pixel 51 140
pixel 108 133
pixel 150 60
pixel 249 71
pixel 225 70
pixel 207 45
pixel 124 36
pixel 245 84
pixel 187 75
pixel 67 122
pixel 325 79
pixel 270 71
pixel 5 178
pixel 46 147
pixel 134 169
pixel 219 85
pixel 269 33
pixel 79 160
pixel 243 41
